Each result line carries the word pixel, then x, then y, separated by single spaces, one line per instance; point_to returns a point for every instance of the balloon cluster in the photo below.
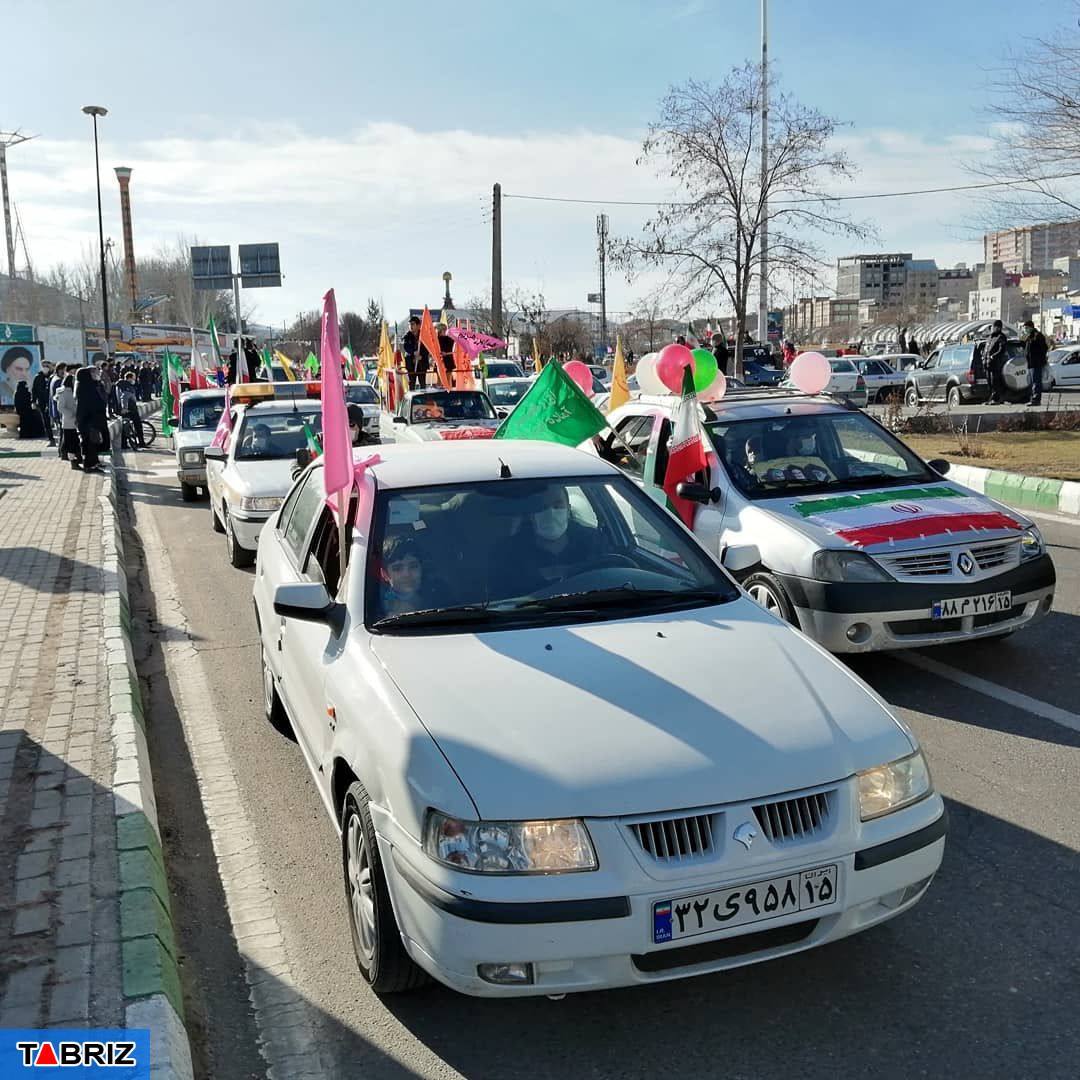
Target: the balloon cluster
pixel 662 372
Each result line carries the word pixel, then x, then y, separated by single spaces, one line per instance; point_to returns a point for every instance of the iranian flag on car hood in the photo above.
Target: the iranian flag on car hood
pixel 874 518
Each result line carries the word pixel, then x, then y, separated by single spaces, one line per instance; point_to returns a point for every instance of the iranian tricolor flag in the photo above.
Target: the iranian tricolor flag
pixel 686 453
pixel 200 377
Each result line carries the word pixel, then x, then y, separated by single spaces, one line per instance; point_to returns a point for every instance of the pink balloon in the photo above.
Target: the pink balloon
pixel 810 372
pixel 581 374
pixel 715 390
pixel 671 363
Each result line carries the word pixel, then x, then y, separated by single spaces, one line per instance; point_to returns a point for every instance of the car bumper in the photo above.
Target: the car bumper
pixel 246 527
pixel 194 475
pixel 598 943
pixel 848 618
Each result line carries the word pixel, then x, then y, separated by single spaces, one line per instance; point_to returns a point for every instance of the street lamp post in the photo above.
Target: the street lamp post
pixel 95 111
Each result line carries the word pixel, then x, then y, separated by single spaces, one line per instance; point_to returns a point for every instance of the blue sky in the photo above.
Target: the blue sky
pixel 365 136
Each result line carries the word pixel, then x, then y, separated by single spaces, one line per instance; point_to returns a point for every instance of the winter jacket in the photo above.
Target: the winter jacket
pixel 996 352
pixel 40 391
pixel 65 406
pixel 1035 350
pixel 89 404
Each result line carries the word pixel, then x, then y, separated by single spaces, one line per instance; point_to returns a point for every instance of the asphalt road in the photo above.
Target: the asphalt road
pixel 981 979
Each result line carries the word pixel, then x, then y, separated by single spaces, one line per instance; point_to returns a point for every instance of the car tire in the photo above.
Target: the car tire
pixel 239 556
pixel 188 492
pixel 276 716
pixel 765 590
pixel 380 954
pixel 215 521
pixel 911 396
pixel 952 398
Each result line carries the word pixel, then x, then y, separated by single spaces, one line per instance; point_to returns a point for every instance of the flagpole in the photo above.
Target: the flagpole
pixel 342 560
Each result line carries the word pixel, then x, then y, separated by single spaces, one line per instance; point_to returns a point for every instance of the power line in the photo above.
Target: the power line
pixel 795 202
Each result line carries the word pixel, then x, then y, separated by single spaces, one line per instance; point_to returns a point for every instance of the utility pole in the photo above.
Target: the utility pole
pixel 601 241
pixel 95 111
pixel 496 261
pixel 9 138
pixel 763 284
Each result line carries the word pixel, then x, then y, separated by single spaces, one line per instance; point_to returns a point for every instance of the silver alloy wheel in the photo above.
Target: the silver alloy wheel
pixel 361 887
pixel 766 598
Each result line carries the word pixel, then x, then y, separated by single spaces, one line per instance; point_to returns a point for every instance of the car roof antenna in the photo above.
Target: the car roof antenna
pixel 504 471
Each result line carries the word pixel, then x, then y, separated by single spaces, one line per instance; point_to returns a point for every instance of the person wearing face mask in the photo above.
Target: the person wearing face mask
pixel 557 546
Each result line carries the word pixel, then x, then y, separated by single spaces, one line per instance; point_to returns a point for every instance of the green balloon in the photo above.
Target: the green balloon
pixel 704 369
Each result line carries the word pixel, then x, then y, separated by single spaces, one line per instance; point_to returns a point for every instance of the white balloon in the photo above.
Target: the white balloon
pixel 647 378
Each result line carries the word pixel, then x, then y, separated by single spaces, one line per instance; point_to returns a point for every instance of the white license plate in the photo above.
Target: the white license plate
pixel 972 605
pixel 706 913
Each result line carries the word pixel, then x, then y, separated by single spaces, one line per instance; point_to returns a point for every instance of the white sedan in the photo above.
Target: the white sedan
pixel 1063 369
pixel 442 415
pixel 534 709
pixel 200 411
pixel 249 478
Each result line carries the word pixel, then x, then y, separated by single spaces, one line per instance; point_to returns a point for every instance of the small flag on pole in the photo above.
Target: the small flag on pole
pixel 686 453
pixel 620 388
pixel 554 409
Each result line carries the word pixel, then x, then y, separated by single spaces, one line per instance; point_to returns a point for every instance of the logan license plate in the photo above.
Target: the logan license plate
pixel 706 913
pixel 972 605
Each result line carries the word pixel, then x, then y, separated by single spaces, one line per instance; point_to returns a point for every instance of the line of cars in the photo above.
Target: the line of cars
pixel 531 699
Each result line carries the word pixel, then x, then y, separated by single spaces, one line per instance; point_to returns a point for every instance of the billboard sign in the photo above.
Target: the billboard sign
pixel 18 363
pixel 260 266
pixel 211 267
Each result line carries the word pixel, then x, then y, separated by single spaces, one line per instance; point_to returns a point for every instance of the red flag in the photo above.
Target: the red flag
pixel 686 450
pixel 430 340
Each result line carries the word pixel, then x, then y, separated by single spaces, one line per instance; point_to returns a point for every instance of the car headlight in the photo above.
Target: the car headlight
pixel 889 787
pixel 260 502
pixel 509 847
pixel 1031 543
pixel 847 566
pixel 191 457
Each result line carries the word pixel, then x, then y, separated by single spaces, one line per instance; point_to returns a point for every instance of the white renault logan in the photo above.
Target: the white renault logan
pixel 563 750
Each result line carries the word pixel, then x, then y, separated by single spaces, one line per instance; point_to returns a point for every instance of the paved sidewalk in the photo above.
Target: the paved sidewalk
pixel 59 918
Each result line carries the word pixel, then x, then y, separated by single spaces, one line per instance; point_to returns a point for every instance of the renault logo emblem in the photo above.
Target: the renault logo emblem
pixel 965 563
pixel 746 834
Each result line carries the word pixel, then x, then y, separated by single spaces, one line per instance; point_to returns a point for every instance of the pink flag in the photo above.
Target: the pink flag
pixel 474 342
pixel 224 427
pixel 337 446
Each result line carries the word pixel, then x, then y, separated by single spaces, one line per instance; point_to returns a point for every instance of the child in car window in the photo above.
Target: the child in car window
pixel 403 577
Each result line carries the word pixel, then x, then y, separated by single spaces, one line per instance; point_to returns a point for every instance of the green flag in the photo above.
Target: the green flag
pixel 554 409
pixel 312 364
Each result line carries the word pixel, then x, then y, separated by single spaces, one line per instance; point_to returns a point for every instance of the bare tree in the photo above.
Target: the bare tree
pixel 567 334
pixel 705 142
pixel 1036 116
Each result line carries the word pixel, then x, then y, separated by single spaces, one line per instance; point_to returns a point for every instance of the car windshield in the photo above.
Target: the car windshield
pixel 269 436
pixel 450 405
pixel 504 369
pixel 361 394
pixel 202 414
pixel 508 553
pixel 844 366
pixel 813 452
pixel 507 393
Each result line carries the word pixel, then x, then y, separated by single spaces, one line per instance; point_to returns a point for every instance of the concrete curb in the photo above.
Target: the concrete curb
pixel 151 977
pixel 1024 492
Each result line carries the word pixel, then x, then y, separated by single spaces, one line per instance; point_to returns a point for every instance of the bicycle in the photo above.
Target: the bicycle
pixel 130 438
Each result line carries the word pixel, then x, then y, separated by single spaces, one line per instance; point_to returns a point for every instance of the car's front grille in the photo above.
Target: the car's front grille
pixel 795 819
pixel 725 949
pixel 676 839
pixel 919 564
pixel 997 555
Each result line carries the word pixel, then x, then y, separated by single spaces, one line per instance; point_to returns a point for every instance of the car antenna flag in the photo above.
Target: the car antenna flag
pixel 504 471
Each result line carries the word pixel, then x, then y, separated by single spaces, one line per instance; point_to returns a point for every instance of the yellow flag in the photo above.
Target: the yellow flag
pixel 386 351
pixel 286 363
pixel 538 364
pixel 620 390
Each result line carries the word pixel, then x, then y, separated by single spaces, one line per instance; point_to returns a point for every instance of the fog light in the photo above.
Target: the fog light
pixel 506 974
pixel 859 632
pixel 914 890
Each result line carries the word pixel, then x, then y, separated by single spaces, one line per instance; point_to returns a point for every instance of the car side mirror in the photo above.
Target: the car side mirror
pixel 698 493
pixel 940 465
pixel 400 420
pixel 740 558
pixel 309 602
pixel 214 453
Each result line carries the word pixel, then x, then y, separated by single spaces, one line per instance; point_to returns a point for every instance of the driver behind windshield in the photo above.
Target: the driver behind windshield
pixel 258 442
pixel 556 545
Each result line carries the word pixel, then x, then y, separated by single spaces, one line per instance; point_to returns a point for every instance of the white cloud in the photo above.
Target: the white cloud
pixel 384 210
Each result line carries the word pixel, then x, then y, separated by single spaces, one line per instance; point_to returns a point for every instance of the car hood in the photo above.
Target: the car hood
pixel 900 518
pixel 639 715
pixel 193 438
pixel 262 477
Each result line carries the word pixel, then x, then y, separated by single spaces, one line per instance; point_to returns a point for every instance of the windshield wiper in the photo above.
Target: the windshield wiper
pixel 466 613
pixel 622 596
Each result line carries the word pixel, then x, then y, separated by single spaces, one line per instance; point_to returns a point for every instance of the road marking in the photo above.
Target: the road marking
pixel 285 1020
pixel 993 690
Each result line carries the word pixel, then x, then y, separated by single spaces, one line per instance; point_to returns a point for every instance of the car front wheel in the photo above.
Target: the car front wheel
pixel 215 521
pixel 276 716
pixel 953 397
pixel 238 556
pixel 771 595
pixel 380 954
pixel 911 397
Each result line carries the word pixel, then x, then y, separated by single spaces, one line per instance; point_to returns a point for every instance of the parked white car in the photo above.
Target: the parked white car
pixel 442 416
pixel 248 479
pixel 845 382
pixel 881 378
pixel 200 411
pixel 1063 369
pixel 534 707
pixel 857 541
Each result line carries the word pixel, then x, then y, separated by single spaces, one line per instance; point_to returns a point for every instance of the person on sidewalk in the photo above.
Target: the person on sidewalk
pixel 69 434
pixel 40 393
pixel 1035 350
pixel 91 418
pixel 128 397
pixel 994 356
pixel 55 383
pixel 24 407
